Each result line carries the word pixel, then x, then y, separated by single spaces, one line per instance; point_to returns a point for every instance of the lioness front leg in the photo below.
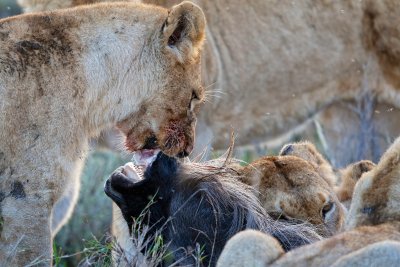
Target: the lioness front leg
pixel 25 234
pixel 352 134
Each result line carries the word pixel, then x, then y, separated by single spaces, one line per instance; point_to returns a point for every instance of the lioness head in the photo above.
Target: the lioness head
pixel 292 188
pixel 149 49
pixel 167 115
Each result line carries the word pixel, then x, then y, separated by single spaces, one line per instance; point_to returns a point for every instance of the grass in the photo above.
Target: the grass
pixel 98 253
pixel 151 249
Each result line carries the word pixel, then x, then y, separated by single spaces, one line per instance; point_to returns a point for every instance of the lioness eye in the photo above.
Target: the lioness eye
pixel 327 208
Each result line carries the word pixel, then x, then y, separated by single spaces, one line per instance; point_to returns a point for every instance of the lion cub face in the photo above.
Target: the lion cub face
pixel 292 188
pixel 167 118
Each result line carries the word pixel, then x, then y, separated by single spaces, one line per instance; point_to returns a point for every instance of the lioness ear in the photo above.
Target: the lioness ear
pixel 184 31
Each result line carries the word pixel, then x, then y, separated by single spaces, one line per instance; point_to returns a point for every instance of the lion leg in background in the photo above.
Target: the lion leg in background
pixel 124 251
pixel 355 132
pixel 368 124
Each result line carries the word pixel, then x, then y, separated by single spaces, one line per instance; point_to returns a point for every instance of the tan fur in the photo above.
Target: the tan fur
pixel 47 5
pixel 309 152
pixel 124 251
pixel 285 81
pixel 65 76
pixel 376 195
pixel 261 249
pixel 335 250
pixel 292 187
pixel 343 180
pixel 385 253
pixel 349 177
pixel 282 82
pixel 373 223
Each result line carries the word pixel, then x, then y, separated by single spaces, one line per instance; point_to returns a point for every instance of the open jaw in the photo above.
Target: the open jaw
pixel 121 180
pixel 109 189
pixel 145 157
pixel 145 154
pixel 125 177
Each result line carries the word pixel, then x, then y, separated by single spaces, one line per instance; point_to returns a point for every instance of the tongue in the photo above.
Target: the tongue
pixel 145 157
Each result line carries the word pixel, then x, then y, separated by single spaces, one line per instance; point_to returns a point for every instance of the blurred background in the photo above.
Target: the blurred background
pixel 9 8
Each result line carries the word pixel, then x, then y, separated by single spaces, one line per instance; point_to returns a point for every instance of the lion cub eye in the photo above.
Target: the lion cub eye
pixel 327 208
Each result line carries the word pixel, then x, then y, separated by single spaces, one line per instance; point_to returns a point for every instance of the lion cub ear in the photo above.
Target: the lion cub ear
pixel 184 31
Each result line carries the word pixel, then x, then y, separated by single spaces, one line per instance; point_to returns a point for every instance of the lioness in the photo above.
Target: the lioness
pixel 68 74
pixel 337 61
pixel 372 236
